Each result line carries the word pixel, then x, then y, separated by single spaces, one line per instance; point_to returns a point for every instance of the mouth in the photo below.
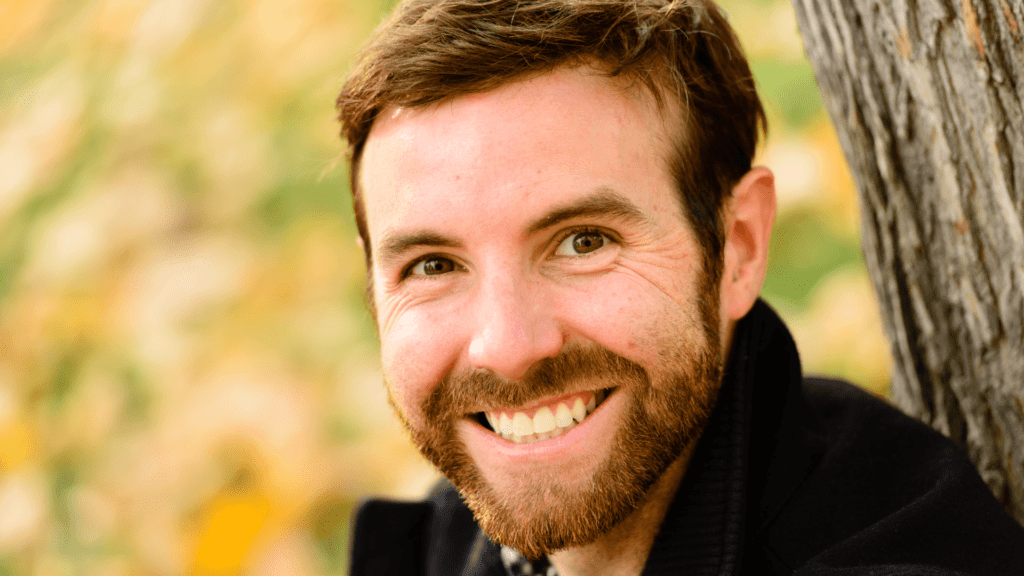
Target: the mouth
pixel 546 419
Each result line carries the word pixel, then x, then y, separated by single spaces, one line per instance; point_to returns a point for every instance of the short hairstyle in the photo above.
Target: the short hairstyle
pixel 430 51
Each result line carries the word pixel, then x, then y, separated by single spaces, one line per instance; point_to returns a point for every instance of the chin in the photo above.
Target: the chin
pixel 554 492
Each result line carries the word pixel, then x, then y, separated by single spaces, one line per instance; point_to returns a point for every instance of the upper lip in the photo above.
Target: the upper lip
pixel 545 401
pixel 537 403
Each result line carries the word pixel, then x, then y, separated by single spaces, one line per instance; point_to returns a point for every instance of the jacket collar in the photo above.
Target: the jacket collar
pixel 753 454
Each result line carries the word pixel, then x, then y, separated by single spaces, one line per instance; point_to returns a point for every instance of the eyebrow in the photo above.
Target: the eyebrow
pixel 394 245
pixel 603 202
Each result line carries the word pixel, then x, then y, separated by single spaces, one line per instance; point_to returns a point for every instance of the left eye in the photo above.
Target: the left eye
pixel 580 243
pixel 433 266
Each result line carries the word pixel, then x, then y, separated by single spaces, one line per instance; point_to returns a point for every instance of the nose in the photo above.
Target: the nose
pixel 513 327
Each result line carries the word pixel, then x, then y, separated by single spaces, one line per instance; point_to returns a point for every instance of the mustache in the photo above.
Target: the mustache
pixel 576 367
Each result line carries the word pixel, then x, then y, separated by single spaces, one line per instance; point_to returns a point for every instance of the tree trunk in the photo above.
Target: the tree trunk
pixel 926 99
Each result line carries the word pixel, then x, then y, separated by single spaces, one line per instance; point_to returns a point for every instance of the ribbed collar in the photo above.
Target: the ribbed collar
pixel 703 531
pixel 759 445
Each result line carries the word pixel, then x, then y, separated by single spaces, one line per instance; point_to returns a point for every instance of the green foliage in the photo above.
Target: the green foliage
pixel 788 87
pixel 806 249
pixel 329 520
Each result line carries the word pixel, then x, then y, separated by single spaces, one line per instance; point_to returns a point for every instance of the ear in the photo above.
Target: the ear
pixel 750 213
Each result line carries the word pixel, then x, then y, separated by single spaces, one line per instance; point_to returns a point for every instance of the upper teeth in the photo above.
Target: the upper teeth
pixel 545 423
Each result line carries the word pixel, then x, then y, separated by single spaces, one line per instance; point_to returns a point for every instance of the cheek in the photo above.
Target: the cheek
pixel 632 318
pixel 419 347
pixel 616 315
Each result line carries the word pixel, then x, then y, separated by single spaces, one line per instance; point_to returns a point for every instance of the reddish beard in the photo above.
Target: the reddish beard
pixel 667 407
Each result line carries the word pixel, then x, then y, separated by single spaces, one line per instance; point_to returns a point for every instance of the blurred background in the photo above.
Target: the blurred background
pixel 189 380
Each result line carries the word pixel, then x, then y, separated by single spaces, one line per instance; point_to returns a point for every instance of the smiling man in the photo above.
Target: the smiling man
pixel 565 242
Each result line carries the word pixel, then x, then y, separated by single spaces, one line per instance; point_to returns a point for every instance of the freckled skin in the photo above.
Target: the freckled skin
pixel 482 170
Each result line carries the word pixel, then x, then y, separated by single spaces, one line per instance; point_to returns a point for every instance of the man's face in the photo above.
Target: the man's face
pixel 531 258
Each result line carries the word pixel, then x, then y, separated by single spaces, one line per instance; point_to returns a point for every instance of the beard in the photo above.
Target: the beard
pixel 666 409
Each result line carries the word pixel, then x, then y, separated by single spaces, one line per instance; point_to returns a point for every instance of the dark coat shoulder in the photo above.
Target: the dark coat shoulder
pixel 432 537
pixel 891 493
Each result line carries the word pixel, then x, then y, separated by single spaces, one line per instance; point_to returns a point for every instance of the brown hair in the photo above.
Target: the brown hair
pixel 429 51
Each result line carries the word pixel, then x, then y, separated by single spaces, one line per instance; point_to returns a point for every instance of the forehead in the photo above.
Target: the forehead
pixel 554 135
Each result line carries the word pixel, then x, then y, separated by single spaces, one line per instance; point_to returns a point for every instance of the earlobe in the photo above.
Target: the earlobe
pixel 750 214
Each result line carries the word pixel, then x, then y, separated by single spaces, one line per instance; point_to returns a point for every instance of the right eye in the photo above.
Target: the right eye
pixel 432 266
pixel 581 243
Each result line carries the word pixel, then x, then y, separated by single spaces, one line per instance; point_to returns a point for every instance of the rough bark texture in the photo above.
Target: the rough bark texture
pixel 926 98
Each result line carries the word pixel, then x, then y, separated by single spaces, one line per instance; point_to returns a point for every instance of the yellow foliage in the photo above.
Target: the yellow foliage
pixel 17 444
pixel 19 20
pixel 228 532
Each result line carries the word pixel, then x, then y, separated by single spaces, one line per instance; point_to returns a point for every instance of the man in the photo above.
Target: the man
pixel 565 242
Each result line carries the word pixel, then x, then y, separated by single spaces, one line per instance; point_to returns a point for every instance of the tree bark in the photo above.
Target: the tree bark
pixel 926 99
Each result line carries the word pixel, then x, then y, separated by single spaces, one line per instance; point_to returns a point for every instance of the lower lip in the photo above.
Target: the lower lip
pixel 598 424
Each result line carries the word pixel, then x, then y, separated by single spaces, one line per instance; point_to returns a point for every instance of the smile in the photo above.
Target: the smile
pixel 544 420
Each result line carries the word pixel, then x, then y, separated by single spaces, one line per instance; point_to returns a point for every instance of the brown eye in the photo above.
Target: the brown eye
pixel 587 242
pixel 433 266
pixel 581 243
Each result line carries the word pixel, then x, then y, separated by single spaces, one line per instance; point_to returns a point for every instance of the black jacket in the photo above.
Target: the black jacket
pixel 792 476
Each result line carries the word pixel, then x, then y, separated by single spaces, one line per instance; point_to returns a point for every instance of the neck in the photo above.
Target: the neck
pixel 624 549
